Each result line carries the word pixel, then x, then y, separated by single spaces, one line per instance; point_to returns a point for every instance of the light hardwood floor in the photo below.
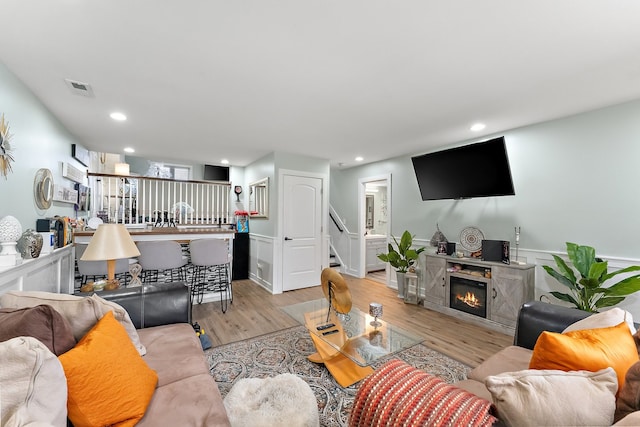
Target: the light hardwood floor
pixel 255 312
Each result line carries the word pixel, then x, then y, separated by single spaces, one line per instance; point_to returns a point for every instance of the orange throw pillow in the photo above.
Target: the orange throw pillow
pixel 108 382
pixel 587 350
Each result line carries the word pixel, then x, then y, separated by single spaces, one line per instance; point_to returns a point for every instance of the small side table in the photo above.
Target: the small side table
pixel 412 288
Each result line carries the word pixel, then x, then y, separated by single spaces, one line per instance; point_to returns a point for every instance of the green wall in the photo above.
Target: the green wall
pixel 576 179
pixel 39 141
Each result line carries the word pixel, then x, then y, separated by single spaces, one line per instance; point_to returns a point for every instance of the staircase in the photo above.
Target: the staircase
pixel 333 262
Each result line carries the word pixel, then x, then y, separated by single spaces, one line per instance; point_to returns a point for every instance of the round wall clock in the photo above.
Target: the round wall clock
pixel 6 158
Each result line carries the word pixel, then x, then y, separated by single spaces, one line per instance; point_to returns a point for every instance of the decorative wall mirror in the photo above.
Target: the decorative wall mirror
pixel 43 188
pixel 259 198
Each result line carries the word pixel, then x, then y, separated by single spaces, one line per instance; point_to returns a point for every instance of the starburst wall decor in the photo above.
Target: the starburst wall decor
pixel 6 157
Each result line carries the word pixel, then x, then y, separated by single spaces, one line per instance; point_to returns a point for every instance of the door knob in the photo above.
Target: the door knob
pixel 288 238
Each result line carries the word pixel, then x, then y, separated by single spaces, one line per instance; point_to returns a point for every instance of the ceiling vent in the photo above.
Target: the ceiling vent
pixel 79 88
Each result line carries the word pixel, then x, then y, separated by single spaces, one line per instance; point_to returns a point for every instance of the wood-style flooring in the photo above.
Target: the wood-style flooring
pixel 255 312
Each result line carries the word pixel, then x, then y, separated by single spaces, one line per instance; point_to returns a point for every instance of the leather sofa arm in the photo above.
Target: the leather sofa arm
pixel 536 316
pixel 154 304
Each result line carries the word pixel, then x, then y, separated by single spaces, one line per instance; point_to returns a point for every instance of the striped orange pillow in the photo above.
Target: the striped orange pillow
pixel 587 350
pixel 108 382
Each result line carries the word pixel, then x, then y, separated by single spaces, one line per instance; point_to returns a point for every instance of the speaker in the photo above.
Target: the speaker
pixel 240 257
pixel 44 225
pixel 451 248
pixel 495 250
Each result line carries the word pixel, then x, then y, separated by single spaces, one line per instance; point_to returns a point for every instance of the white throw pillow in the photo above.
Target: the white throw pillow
pixel 82 313
pixel 604 319
pixel 554 398
pixel 33 388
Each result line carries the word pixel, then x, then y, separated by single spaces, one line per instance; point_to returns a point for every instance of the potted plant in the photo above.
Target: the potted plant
pixel 401 258
pixel 587 292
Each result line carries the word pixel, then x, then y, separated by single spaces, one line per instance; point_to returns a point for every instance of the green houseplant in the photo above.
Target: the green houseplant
pixel 587 292
pixel 401 258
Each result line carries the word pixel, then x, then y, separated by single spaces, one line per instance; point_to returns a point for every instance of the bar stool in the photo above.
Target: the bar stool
pixel 162 256
pixel 210 259
pixel 96 270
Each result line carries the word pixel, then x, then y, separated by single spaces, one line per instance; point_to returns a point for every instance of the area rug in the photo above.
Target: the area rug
pixel 287 350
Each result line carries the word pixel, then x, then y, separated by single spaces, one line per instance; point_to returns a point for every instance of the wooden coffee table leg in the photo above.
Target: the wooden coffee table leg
pixel 343 369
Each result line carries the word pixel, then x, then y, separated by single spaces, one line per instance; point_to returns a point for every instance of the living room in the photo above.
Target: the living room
pixel 574 176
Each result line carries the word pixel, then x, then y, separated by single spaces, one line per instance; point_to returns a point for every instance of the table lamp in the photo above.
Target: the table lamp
pixel 109 243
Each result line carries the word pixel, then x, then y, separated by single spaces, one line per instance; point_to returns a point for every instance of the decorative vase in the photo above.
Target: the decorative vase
pixel 400 279
pixel 30 244
pixel 10 230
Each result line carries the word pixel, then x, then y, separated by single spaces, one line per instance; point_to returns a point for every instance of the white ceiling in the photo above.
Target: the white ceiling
pixel 202 80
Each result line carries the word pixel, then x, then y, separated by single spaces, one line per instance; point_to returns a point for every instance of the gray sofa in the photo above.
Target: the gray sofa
pixel 187 394
pixel 158 322
pixel 534 318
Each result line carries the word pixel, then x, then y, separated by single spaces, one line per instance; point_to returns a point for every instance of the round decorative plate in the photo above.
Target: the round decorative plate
pixel 471 238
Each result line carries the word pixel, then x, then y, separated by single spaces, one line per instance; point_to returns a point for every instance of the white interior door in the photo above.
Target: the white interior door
pixel 302 231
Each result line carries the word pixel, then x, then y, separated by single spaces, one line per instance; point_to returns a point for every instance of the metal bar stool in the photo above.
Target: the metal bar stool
pixel 96 270
pixel 210 259
pixel 162 256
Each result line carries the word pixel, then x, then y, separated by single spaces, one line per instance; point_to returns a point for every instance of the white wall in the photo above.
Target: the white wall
pixel 39 141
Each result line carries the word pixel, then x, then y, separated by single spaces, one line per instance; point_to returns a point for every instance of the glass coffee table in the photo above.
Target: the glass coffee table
pixel 353 343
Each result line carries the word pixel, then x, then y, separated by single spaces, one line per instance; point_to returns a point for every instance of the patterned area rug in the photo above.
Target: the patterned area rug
pixel 287 351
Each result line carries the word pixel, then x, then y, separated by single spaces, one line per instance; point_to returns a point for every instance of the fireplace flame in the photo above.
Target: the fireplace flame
pixel 469 299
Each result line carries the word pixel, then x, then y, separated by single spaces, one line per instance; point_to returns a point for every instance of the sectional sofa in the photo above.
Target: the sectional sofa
pixel 156 374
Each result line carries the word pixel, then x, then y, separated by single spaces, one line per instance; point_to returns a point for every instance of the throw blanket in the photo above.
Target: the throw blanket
pixel 398 394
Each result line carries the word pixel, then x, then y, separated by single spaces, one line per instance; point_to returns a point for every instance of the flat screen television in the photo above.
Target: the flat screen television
pixel 475 170
pixel 216 173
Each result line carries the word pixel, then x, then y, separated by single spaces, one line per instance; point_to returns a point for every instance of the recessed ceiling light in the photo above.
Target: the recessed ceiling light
pixel 129 150
pixel 476 127
pixel 118 116
pixel 359 159
pixel 224 161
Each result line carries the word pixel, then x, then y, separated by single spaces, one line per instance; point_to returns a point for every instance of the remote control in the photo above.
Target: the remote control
pixel 330 332
pixel 327 326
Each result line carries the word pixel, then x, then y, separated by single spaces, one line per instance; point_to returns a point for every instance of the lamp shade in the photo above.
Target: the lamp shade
pixel 121 169
pixel 110 242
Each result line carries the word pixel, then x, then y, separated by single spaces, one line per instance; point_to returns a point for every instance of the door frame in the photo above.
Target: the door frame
pixel 278 258
pixel 362 220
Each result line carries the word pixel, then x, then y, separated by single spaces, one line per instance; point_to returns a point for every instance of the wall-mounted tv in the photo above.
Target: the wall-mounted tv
pixel 216 173
pixel 475 170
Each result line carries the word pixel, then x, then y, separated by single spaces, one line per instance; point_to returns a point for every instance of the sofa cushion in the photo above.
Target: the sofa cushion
pixel 197 397
pixel 512 358
pixel 33 388
pixel 108 382
pixel 174 352
pixel 603 319
pixel 42 322
pixel 82 313
pixel 587 349
pixel 399 394
pixel 554 398
pixel 476 387
pixel 629 396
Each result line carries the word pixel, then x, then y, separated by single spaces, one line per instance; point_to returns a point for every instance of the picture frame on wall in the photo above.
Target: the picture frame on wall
pixel 80 153
pixel 84 197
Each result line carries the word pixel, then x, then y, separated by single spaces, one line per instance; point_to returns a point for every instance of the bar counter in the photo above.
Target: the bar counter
pixel 179 234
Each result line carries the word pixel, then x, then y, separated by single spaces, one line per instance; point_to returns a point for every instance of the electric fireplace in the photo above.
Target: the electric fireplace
pixel 468 295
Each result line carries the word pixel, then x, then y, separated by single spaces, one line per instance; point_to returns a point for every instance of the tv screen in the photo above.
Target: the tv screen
pixel 216 173
pixel 475 170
